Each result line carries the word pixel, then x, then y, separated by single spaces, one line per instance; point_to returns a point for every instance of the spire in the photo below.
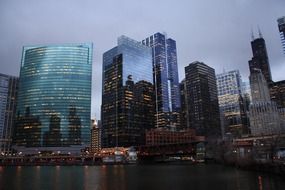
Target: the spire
pixel 252 34
pixel 259 32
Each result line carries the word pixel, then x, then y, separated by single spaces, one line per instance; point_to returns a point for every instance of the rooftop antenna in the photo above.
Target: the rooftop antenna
pixel 259 32
pixel 252 34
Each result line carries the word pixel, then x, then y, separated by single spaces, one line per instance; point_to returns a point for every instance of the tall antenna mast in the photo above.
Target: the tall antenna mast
pixel 259 32
pixel 252 34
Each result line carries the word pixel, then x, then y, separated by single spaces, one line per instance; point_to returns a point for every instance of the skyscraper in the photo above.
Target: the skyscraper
pixel 127 94
pixel 264 116
pixel 231 103
pixel 95 145
pixel 277 93
pixel 281 27
pixel 184 121
pixel 165 79
pixel 260 57
pixel 53 109
pixel 8 94
pixel 203 107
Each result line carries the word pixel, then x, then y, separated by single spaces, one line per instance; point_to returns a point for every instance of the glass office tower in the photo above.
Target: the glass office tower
pixel 8 94
pixel 202 100
pixel 231 103
pixel 127 94
pixel 166 82
pixel 54 99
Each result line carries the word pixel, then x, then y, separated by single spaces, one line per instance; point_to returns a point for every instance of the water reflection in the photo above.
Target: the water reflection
pixel 37 178
pixel 196 177
pixel 56 180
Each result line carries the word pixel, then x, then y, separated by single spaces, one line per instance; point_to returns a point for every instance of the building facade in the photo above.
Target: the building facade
pixel 95 145
pixel 281 27
pixel 277 93
pixel 231 103
pixel 8 95
pixel 184 121
pixel 165 80
pixel 260 58
pixel 163 136
pixel 202 102
pixel 245 89
pixel 265 118
pixel 127 95
pixel 53 106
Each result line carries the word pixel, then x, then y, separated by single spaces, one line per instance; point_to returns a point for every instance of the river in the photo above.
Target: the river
pixel 142 177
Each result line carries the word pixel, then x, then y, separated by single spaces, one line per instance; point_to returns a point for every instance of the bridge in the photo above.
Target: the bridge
pixel 195 149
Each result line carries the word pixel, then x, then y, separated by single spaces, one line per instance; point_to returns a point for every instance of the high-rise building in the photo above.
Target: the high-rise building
pixel 281 27
pixel 260 57
pixel 277 93
pixel 245 90
pixel 127 95
pixel 264 116
pixel 231 103
pixel 95 145
pixel 165 79
pixel 184 121
pixel 54 99
pixel 246 95
pixel 8 94
pixel 202 101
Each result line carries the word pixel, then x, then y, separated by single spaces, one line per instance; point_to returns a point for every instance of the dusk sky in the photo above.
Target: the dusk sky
pixel 216 32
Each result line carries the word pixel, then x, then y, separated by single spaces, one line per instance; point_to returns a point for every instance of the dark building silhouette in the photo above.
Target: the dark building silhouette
pixel 184 121
pixel 112 85
pixel 53 136
pixel 202 100
pixel 260 57
pixel 144 107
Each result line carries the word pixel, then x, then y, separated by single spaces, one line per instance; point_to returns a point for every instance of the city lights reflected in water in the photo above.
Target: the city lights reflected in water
pixel 198 177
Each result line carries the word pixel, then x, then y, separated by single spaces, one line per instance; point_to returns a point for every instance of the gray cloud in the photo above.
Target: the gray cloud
pixel 216 32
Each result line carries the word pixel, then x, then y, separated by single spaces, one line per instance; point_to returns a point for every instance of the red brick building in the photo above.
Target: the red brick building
pixel 162 136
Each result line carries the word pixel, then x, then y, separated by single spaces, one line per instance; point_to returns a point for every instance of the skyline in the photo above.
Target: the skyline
pixel 190 23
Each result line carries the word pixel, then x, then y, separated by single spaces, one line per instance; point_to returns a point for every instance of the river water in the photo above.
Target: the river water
pixel 143 177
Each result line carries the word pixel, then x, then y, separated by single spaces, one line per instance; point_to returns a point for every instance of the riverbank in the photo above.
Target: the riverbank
pixel 277 168
pixel 266 167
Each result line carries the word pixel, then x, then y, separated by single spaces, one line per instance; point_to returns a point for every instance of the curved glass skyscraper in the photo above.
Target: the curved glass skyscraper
pixel 54 99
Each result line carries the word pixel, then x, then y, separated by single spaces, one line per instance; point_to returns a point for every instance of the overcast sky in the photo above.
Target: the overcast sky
pixel 217 32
